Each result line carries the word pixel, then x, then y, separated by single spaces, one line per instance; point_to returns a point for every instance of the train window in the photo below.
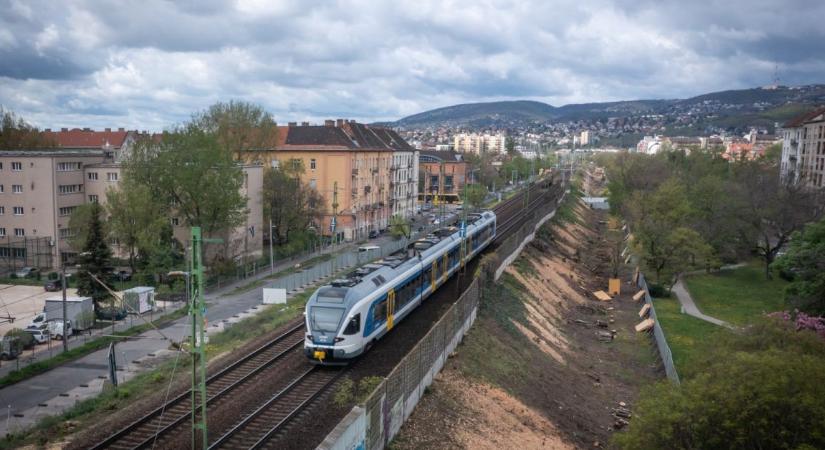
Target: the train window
pixel 325 319
pixel 380 311
pixel 354 325
pixel 427 276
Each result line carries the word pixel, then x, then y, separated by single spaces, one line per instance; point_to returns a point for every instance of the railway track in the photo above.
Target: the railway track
pixel 263 424
pixel 173 414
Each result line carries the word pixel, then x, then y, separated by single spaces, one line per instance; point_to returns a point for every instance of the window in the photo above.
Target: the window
pixel 379 313
pixel 68 166
pixel 19 232
pixel 354 325
pixel 2 232
pixel 66 233
pixel 111 176
pixel 17 188
pixel 16 166
pixel 19 253
pixel 2 210
pixel 1 166
pixel 312 163
pixel 313 183
pixel 325 319
pixel 67 210
pixel 175 222
pixel 70 188
pixel 93 199
pixel 18 210
pixel 1 188
pixel 92 176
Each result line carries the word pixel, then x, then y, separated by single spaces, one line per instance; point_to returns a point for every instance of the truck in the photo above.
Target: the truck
pixel 56 328
pixel 80 311
pixel 139 299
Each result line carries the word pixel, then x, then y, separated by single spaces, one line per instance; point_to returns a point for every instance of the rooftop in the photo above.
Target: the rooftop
pixel 800 120
pixel 340 135
pixel 88 138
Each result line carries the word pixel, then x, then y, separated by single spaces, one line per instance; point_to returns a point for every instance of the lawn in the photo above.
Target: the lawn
pixel 687 336
pixel 737 296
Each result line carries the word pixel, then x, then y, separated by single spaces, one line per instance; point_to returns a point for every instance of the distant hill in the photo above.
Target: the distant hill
pixel 734 108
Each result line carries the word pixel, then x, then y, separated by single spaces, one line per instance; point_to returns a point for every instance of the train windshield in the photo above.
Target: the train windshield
pixel 325 319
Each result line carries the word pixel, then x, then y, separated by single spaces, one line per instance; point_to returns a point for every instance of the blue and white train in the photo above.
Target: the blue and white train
pixel 345 318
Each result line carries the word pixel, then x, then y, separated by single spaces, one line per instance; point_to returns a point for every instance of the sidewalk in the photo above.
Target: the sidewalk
pixel 689 306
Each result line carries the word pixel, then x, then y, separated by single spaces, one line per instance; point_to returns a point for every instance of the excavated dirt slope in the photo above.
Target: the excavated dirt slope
pixel 534 371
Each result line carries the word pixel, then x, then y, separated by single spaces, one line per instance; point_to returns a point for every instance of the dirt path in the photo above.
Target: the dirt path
pixel 533 372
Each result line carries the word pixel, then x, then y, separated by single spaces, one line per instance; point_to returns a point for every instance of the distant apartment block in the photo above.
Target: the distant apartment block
pixel 480 143
pixel 39 190
pixel 365 174
pixel 584 138
pixel 803 149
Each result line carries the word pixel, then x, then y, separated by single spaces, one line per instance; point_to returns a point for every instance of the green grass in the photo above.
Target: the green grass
pixel 687 336
pixel 737 296
pixel 78 352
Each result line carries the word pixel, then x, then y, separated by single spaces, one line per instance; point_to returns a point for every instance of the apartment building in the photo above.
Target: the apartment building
pixel 444 174
pixel 803 149
pixel 114 143
pixel 39 189
pixel 584 138
pixel 480 143
pixel 365 174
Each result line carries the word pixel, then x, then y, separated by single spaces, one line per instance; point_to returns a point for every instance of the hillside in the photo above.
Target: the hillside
pixel 725 109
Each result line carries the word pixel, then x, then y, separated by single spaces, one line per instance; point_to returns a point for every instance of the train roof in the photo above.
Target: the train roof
pixel 365 279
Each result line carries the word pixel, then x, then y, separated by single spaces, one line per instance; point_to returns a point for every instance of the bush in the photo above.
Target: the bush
pixel 38 276
pixel 54 275
pixel 658 291
pixel 24 340
pixel 13 276
pixel 146 279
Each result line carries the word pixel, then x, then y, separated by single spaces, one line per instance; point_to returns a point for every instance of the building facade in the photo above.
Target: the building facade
pixel 480 143
pixel 365 174
pixel 803 149
pixel 443 174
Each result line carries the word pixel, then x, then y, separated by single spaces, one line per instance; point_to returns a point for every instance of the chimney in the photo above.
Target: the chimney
pixel 108 130
pixel 292 124
pixel 339 123
pixel 121 129
pixel 304 124
pixel 64 130
pixel 329 123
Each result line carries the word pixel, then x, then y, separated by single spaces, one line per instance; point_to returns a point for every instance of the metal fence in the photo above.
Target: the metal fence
pixel 659 334
pixel 395 398
pixel 19 252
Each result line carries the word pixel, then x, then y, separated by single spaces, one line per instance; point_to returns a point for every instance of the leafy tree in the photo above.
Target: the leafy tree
pixel 474 195
pixel 292 205
pixel 238 126
pixel 94 260
pixel 755 389
pixel 79 224
pixel 805 261
pixel 136 217
pixel 773 154
pixel 714 215
pixel 771 211
pixel 193 175
pixel 400 227
pixel 665 242
pixel 510 146
pixel 16 133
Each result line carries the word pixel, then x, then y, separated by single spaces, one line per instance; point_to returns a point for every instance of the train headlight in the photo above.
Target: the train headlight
pixel 338 339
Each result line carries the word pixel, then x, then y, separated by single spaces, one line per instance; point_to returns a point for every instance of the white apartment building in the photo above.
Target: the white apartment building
pixel 584 138
pixel 480 143
pixel 803 149
pixel 404 183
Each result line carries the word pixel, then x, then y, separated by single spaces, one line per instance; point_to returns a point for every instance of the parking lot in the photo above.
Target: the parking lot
pixel 23 303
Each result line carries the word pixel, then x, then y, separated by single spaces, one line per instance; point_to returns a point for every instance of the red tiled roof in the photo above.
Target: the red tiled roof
pixel 77 138
pixel 799 120
pixel 347 135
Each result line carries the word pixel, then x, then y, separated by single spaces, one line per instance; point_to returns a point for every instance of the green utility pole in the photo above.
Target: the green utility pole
pixel 197 309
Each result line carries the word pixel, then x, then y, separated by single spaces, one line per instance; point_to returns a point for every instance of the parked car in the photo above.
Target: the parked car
pixel 27 272
pixel 374 234
pixel 37 321
pixel 107 312
pixel 53 286
pixel 40 336
pixel 121 275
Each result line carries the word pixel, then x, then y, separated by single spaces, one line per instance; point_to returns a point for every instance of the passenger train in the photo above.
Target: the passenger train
pixel 345 318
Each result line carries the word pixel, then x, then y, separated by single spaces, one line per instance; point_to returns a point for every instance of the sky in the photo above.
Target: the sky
pixel 150 64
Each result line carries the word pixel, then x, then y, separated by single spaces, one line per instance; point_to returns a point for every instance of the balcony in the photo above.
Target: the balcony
pixel 354 192
pixel 794 143
pixel 367 189
pixel 355 172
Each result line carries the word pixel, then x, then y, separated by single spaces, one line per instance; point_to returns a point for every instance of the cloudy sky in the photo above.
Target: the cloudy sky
pixel 151 63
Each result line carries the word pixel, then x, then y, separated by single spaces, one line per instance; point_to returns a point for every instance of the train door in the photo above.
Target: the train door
pixel 390 309
pixel 445 261
pixel 434 276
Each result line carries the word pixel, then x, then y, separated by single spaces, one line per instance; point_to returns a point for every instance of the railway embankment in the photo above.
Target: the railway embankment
pixel 546 365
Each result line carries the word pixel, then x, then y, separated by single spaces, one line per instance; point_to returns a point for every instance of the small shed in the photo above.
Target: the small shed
pixel 139 299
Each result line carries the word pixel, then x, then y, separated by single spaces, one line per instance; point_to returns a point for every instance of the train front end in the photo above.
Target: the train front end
pixel 332 336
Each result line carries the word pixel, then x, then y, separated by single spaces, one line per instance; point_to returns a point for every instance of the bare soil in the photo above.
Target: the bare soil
pixel 533 373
